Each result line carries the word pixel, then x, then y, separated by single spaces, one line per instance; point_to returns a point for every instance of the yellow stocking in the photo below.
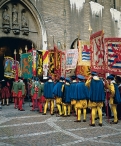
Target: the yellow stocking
pixel 59 109
pixel 79 114
pixel 100 114
pixel 65 112
pixel 69 109
pixel 52 106
pixel 113 108
pixel 84 113
pixel 45 107
pixel 93 114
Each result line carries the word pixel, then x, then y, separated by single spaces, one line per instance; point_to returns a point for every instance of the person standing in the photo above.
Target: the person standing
pixel 58 94
pixel 96 96
pixel 15 93
pixel 82 95
pixel 21 93
pixel 73 93
pixel 114 97
pixel 49 96
pixel 66 98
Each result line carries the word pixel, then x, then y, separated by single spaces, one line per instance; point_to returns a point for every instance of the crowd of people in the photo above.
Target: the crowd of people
pixel 74 95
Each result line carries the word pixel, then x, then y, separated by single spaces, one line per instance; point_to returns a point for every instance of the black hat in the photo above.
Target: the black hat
pixel 110 77
pixel 93 73
pixel 62 78
pixel 73 77
pixel 80 77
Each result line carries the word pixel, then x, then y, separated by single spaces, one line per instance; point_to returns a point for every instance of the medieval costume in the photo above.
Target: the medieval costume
pixel 48 94
pixel 5 93
pixel 21 94
pixel 82 95
pixel 58 94
pixel 73 93
pixel 41 98
pixel 66 99
pixel 15 93
pixel 96 96
pixel 114 97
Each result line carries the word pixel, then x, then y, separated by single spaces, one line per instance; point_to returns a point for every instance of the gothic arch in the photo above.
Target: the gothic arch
pixel 41 35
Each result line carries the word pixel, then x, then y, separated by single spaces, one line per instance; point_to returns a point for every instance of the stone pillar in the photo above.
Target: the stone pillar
pixel 87 12
pixel 106 17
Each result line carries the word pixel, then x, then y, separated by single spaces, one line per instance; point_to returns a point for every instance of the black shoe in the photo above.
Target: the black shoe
pixel 44 114
pixel 100 124
pixel 93 125
pixel 52 114
pixel 114 122
pixel 64 115
pixel 84 120
pixel 7 104
pixel 77 121
pixel 22 110
pixel 68 115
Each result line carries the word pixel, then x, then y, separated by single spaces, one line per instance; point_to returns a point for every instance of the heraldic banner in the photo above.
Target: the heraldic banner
pixel 113 55
pixel 84 53
pixel 26 65
pixel 8 67
pixel 97 51
pixel 40 64
pixel 71 58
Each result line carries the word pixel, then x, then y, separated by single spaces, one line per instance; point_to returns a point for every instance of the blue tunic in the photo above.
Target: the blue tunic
pixel 48 90
pixel 57 89
pixel 97 93
pixel 73 90
pixel 117 98
pixel 82 91
pixel 66 94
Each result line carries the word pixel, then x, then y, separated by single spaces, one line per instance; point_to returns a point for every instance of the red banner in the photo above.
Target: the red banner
pixel 97 51
pixel 113 55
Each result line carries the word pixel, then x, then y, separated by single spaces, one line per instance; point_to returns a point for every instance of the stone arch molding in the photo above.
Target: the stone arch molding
pixel 31 28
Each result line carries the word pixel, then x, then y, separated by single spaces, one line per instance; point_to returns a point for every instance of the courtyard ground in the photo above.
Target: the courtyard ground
pixel 27 128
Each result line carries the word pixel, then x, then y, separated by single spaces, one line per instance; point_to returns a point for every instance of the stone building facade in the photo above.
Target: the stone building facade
pixel 45 22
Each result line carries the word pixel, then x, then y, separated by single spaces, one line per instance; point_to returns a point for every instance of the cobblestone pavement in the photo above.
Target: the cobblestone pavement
pixel 27 128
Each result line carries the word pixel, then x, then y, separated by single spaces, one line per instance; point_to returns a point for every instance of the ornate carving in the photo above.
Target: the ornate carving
pixel 24 23
pixel 6 21
pixel 15 24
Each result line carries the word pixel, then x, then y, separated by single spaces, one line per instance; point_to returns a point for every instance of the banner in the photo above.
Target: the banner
pixel 63 64
pixel 26 65
pixel 8 67
pixel 34 56
pixel 113 55
pixel 97 51
pixel 40 64
pixel 83 70
pixel 51 63
pixel 16 69
pixel 84 53
pixel 45 63
pixel 71 58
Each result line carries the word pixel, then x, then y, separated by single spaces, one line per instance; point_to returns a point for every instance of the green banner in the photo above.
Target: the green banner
pixel 26 65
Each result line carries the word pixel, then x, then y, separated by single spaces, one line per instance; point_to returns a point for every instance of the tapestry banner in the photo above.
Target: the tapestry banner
pixel 97 51
pixel 8 67
pixel 84 53
pixel 26 65
pixel 71 58
pixel 113 55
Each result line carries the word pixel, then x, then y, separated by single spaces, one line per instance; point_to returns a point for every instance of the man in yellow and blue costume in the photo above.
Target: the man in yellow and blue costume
pixel 96 96
pixel 82 95
pixel 58 94
pixel 114 97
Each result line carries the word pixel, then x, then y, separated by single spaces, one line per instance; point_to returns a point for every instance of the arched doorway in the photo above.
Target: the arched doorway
pixel 21 24
pixel 7 47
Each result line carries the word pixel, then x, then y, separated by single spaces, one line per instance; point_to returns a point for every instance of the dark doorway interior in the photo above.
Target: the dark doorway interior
pixel 7 47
